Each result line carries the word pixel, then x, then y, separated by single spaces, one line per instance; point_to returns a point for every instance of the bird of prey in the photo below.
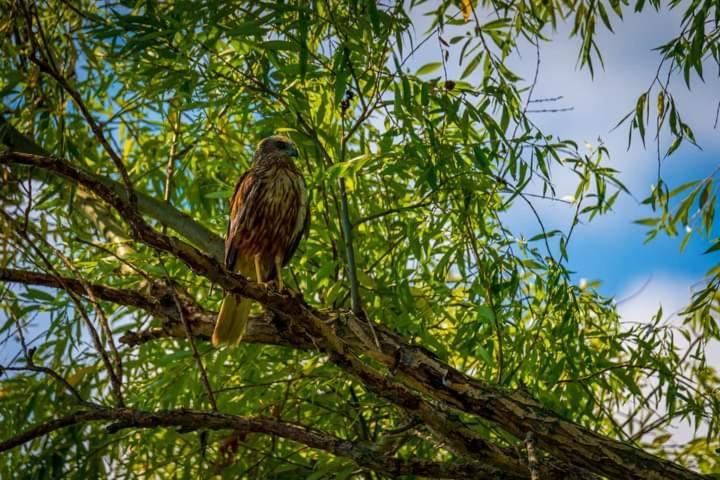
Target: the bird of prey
pixel 269 214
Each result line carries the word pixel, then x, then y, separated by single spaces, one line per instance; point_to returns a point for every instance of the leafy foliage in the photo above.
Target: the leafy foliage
pixel 422 166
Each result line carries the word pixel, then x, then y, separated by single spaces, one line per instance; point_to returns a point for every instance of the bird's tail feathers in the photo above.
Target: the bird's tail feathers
pixel 231 321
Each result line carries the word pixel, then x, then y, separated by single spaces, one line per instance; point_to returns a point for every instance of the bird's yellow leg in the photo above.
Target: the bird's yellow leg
pixel 278 272
pixel 258 272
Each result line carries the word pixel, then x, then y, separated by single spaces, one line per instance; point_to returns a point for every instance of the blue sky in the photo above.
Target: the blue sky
pixel 611 249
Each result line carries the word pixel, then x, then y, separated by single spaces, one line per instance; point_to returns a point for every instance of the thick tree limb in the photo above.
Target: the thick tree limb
pixel 158 301
pixel 97 213
pixel 415 367
pixel 366 455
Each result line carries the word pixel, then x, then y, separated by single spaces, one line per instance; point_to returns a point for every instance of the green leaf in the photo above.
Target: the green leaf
pixel 639 115
pixel 39 295
pixel 428 68
pixel 470 68
pixel 650 222
pixel 279 45
pixel 219 194
pixel 714 248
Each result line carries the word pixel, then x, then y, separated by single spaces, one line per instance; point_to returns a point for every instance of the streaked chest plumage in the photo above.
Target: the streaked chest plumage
pixel 269 211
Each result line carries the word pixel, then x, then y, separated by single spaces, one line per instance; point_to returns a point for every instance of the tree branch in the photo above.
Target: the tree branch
pixel 158 301
pixel 413 366
pixel 157 210
pixel 364 454
pixel 351 267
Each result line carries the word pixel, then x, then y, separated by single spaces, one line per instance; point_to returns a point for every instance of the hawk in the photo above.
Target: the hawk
pixel 269 215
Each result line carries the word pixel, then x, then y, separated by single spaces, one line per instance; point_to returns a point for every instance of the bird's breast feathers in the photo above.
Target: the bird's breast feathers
pixel 269 210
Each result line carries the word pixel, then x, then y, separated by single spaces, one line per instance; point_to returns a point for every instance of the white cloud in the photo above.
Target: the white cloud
pixel 642 297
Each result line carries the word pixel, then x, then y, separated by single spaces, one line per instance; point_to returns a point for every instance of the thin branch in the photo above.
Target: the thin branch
pixel 390 211
pixel 547 99
pixel 97 131
pixel 551 110
pixel 126 266
pixel 115 382
pixel 349 250
pixel 190 338
pixel 364 454
pixel 532 456
pixel 32 367
pixel 172 154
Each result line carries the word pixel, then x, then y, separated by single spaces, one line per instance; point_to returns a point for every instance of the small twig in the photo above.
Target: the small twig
pixel 490 299
pixel 548 99
pixel 172 154
pixel 23 344
pixel 412 423
pixel 116 256
pixel 551 110
pixel 190 337
pixel 29 196
pixel 384 213
pixel 32 367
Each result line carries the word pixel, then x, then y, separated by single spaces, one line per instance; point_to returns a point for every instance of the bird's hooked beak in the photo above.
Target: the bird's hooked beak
pixel 292 151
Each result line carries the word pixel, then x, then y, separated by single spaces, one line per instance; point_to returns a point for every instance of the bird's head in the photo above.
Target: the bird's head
pixel 276 147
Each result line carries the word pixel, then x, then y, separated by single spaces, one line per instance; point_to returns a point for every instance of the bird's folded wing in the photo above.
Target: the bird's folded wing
pixel 246 191
pixel 302 227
